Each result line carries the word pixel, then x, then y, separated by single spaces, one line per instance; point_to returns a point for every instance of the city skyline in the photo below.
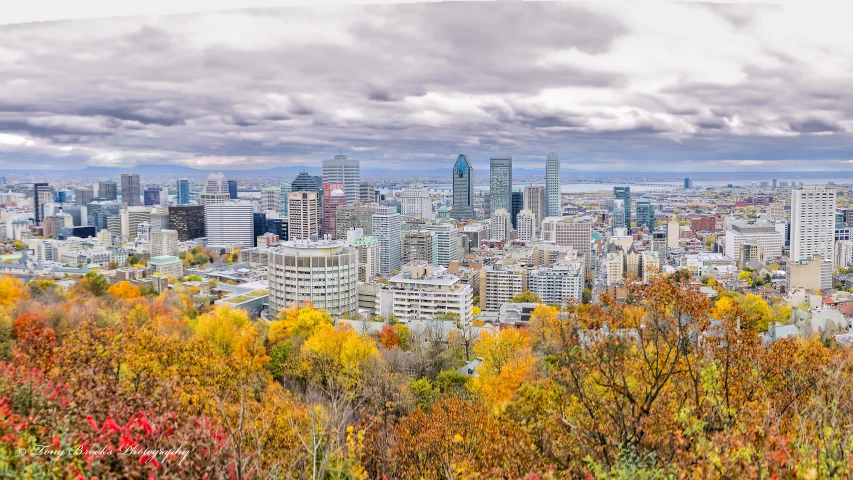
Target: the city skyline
pixel 602 85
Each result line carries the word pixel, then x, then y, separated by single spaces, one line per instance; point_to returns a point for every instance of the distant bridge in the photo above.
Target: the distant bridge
pixel 631 184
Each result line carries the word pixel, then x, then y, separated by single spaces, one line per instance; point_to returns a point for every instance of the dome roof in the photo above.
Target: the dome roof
pixel 442 209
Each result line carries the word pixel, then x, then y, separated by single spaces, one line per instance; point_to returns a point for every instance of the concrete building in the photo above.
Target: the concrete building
pixel 229 223
pixel 421 291
pixel 131 189
pixel 534 200
pixel 107 190
pixel 368 258
pixel 645 215
pixel 215 190
pixel 526 225
pixel 812 222
pixel 763 235
pixel 345 171
pixel 618 214
pixel 813 274
pixel 354 216
pixel 673 233
pixel 572 231
pixel 41 197
pixel 501 225
pixel 499 284
pixel 323 272
pixel 559 283
pixel 164 242
pixel 387 231
pixel 500 183
pixel 303 215
pixel 83 195
pixel 844 253
pixel 420 245
pixel 187 220
pixel 463 194
pixel 553 207
pixel 270 199
pixel 166 265
pixel 334 197
pixel 416 202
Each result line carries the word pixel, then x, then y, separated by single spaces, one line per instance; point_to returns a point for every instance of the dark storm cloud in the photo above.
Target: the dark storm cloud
pixel 618 84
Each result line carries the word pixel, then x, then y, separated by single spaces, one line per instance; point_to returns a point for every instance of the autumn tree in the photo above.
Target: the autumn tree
pixel 526 297
pixel 124 290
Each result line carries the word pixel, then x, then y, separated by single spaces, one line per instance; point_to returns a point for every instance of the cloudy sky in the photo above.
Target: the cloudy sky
pixel 628 86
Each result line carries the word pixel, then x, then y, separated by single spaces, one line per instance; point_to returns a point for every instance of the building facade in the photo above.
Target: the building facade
pixel 345 171
pixel 463 194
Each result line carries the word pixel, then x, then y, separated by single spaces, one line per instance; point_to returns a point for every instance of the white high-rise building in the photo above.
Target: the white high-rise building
pixel 416 201
pixel 270 198
pixel 368 257
pixel 558 283
pixel 552 186
pixel 215 190
pixel 763 235
pixel 526 225
pixel 501 225
pixel 447 242
pixel 303 214
pixel 229 223
pixel 534 200
pixel 323 272
pixel 812 222
pixel 844 253
pixel 343 170
pixel 164 242
pixel 387 231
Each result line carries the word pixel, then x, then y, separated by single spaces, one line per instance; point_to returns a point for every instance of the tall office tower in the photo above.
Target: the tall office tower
pixel 624 193
pixel 188 221
pixel 346 171
pixel 812 222
pixel 688 182
pixel 487 205
pixel 367 193
pixel 277 227
pixel 303 215
pixel 368 258
pixel 164 242
pixel 775 183
pixel 107 190
pixel 354 216
pixel 387 231
pixel 83 195
pixel 304 182
pixel 131 190
pixel 155 195
pixel 232 189
pixel 334 197
pixel 447 239
pixel 259 226
pixel 534 200
pixel 283 190
pixel 673 233
pixel 526 225
pixel 229 223
pixel 463 193
pixel 61 196
pixel 659 247
pixel 416 202
pixel 160 219
pixel 517 205
pixel 324 273
pixel 131 218
pixel 552 186
pixel 215 190
pixel 420 245
pixel 619 213
pixel 645 214
pixel 183 191
pixel 270 198
pixel 98 212
pixel 500 183
pixel 501 225
pixel 41 197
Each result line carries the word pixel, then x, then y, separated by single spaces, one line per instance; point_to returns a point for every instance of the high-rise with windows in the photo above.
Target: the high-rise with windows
pixel 387 231
pixel 645 214
pixel 501 225
pixel 229 223
pixel 812 222
pixel 283 190
pixel 624 194
pixel 187 220
pixel 516 205
pixel 534 200
pixel 131 190
pixel 41 197
pixel 270 198
pixel 447 240
pixel 334 197
pixel 107 190
pixel 183 197
pixel 83 195
pixel 215 190
pixel 346 171
pixel 232 189
pixel 500 183
pixel 416 202
pixel 525 225
pixel 463 196
pixel 552 186
pixel 304 215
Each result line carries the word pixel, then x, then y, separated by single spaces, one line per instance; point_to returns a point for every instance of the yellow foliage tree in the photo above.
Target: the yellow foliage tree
pixel 11 290
pixel 339 350
pixel 298 322
pixel 507 362
pixel 224 327
pixel 124 290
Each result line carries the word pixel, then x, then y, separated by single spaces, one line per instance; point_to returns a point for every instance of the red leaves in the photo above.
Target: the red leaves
pixel 93 423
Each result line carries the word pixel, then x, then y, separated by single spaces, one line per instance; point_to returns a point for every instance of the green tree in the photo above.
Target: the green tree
pixel 95 283
pixel 526 297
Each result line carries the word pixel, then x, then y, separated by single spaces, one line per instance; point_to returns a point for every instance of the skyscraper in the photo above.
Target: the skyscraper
pixel 131 191
pixel 270 198
pixel 107 190
pixel 333 197
pixel 812 222
pixel 387 231
pixel 500 183
pixel 688 182
pixel 229 223
pixel 283 190
pixel 232 189
pixel 534 200
pixel 188 221
pixel 416 202
pixel 463 201
pixel 346 171
pixel 552 186
pixel 41 197
pixel 516 205
pixel 526 225
pixel 303 209
pixel 645 214
pixel 259 223
pixel 183 192
pixel 83 195
pixel 624 194
pixel 619 213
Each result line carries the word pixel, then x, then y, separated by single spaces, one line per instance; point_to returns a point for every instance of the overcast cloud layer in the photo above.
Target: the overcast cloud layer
pixel 625 86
